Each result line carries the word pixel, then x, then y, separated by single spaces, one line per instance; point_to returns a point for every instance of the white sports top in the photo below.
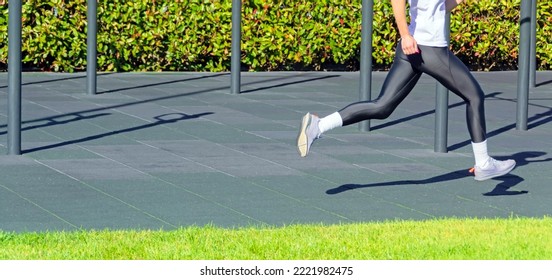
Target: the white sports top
pixel 427 22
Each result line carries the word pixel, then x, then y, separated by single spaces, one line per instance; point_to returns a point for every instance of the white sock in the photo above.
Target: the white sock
pixel 330 122
pixel 480 153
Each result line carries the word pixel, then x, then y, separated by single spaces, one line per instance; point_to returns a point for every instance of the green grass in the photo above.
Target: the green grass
pixel 444 239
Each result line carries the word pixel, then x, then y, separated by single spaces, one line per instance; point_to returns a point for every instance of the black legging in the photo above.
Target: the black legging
pixel 441 64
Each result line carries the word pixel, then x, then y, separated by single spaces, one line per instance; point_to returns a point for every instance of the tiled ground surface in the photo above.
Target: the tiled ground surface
pixel 166 150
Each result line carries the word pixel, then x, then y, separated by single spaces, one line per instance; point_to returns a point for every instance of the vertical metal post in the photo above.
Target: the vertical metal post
pixel 441 110
pixel 365 87
pixel 14 77
pixel 235 68
pixel 533 56
pixel 91 42
pixel 523 65
pixel 441 119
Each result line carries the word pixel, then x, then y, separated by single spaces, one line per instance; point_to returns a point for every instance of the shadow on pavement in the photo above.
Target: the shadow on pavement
pixel 161 120
pixel 503 188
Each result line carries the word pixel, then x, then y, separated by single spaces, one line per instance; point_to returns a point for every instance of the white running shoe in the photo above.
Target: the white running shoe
pixel 493 168
pixel 308 133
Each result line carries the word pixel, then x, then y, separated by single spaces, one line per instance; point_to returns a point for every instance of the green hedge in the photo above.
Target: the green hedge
pixel 195 35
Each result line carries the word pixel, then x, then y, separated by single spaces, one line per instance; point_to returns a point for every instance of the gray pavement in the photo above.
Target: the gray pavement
pixel 169 150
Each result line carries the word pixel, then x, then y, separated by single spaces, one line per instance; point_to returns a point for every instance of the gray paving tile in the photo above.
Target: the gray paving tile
pixel 148 159
pixel 19 214
pixel 172 202
pixel 102 168
pixel 74 202
pixel 62 153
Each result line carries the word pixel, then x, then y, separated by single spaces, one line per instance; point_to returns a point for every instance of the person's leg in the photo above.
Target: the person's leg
pixel 400 80
pixel 450 71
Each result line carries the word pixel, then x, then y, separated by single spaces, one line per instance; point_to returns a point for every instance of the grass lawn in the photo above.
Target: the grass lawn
pixel 441 239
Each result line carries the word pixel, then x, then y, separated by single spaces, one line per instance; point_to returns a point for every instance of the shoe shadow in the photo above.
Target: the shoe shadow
pixel 504 187
pixel 508 181
pixel 512 180
pixel 459 174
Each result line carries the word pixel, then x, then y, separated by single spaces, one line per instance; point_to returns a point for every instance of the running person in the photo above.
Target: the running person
pixel 423 48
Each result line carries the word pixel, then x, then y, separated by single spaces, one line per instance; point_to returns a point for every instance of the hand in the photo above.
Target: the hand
pixel 409 45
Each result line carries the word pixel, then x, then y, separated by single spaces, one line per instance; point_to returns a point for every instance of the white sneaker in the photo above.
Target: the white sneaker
pixel 308 133
pixel 494 168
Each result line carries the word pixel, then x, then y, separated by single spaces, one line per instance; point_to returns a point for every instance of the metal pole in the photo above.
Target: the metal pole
pixel 523 65
pixel 14 77
pixel 441 119
pixel 365 87
pixel 236 48
pixel 91 42
pixel 533 57
pixel 441 110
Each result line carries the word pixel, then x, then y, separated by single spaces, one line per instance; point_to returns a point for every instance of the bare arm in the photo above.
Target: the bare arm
pixel 408 43
pixel 399 11
pixel 451 4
